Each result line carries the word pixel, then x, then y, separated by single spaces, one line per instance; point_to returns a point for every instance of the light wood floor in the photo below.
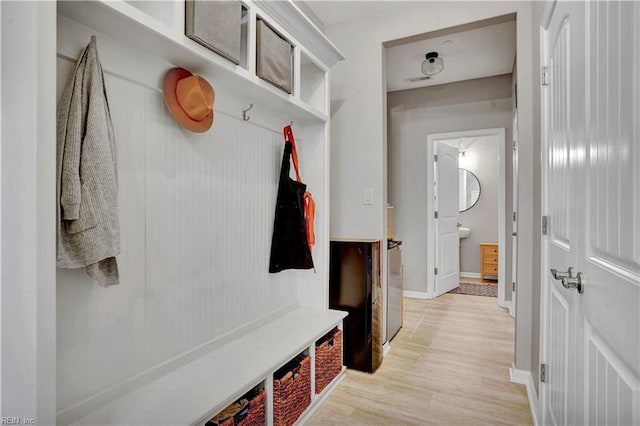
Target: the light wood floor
pixel 478 281
pixel 448 365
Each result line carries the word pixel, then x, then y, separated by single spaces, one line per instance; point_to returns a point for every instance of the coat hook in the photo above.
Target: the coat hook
pixel 245 117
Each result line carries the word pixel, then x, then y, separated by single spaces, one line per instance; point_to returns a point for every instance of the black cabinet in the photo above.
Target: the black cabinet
pixel 355 287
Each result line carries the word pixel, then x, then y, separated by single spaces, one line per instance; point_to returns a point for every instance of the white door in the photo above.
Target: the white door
pixel 446 224
pixel 591 193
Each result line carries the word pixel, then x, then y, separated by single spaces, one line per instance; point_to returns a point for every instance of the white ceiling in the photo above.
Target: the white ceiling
pixel 475 53
pixel 334 11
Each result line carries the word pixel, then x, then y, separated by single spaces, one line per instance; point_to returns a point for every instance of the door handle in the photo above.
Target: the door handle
pixel 571 282
pixel 557 275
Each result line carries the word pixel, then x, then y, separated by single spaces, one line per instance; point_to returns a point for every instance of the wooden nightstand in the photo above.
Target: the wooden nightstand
pixel 488 259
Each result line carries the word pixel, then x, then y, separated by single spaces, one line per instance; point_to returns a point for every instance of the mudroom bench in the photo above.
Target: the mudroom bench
pixel 195 392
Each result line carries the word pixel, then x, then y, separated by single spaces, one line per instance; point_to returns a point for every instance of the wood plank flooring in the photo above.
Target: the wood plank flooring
pixel 478 281
pixel 448 365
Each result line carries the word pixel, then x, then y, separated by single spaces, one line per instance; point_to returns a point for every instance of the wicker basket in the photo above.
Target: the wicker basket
pixel 247 411
pixel 291 391
pixel 229 415
pixel 328 358
pixel 256 413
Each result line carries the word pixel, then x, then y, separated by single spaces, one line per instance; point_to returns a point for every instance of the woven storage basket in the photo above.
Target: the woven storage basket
pixel 247 411
pixel 291 391
pixel 229 415
pixel 328 358
pixel 256 414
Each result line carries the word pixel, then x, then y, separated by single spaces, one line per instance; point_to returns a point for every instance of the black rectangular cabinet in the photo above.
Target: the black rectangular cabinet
pixel 354 287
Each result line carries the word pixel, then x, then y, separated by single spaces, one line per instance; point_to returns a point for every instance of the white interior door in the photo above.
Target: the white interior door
pixel 563 121
pixel 446 224
pixel 591 192
pixel 610 216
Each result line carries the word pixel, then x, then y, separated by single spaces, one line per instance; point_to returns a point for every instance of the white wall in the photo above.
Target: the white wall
pixel 412 115
pixel 27 291
pixel 536 17
pixel 358 136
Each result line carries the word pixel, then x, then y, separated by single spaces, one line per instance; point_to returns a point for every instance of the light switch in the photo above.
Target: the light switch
pixel 367 196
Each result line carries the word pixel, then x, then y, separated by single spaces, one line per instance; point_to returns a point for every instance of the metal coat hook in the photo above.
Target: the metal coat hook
pixel 245 117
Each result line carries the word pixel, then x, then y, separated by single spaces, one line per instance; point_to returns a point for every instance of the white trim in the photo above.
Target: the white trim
pixel 416 294
pixel 525 377
pixel 501 302
pixel 1 289
pixel 431 242
pixel 469 275
pixel 385 349
pixel 502 187
pixel 502 222
pixel 544 280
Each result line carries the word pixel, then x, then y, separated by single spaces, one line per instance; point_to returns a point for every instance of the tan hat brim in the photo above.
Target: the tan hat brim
pixel 169 90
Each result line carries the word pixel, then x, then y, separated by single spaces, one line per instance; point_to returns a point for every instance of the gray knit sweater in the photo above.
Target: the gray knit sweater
pixel 88 227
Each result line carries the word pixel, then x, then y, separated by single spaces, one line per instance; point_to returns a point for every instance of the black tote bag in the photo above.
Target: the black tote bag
pixel 290 247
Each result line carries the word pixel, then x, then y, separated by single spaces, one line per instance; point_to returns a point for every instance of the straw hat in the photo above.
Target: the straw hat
pixel 190 99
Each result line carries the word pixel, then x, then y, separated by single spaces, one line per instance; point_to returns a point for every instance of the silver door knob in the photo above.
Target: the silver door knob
pixel 576 283
pixel 557 275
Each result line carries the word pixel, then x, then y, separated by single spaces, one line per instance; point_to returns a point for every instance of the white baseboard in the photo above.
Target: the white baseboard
pixel 385 349
pixel 512 311
pixel 415 294
pixel 504 303
pixel 526 378
pixel 470 274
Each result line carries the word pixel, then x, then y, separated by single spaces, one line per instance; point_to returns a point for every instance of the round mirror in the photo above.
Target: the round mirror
pixel 469 189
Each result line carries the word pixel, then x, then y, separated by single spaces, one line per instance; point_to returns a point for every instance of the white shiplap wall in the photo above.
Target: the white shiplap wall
pixel 196 216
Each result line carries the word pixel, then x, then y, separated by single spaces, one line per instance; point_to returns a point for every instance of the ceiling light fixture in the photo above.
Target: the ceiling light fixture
pixel 432 64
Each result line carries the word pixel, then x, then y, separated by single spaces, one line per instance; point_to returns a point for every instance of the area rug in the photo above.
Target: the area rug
pixel 475 289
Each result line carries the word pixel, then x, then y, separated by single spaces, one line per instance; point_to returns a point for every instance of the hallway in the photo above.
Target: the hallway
pixel 449 364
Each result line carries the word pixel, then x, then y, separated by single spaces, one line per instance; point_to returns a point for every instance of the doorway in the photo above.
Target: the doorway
pixel 439 257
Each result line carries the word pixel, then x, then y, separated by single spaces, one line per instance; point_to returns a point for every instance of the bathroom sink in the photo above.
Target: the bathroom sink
pixel 464 232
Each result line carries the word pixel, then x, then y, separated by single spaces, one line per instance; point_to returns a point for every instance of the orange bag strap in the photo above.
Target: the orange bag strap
pixel 309 203
pixel 310 216
pixel 288 136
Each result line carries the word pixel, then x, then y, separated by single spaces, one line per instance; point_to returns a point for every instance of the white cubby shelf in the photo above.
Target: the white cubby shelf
pixel 157 28
pixel 197 391
pixel 174 369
